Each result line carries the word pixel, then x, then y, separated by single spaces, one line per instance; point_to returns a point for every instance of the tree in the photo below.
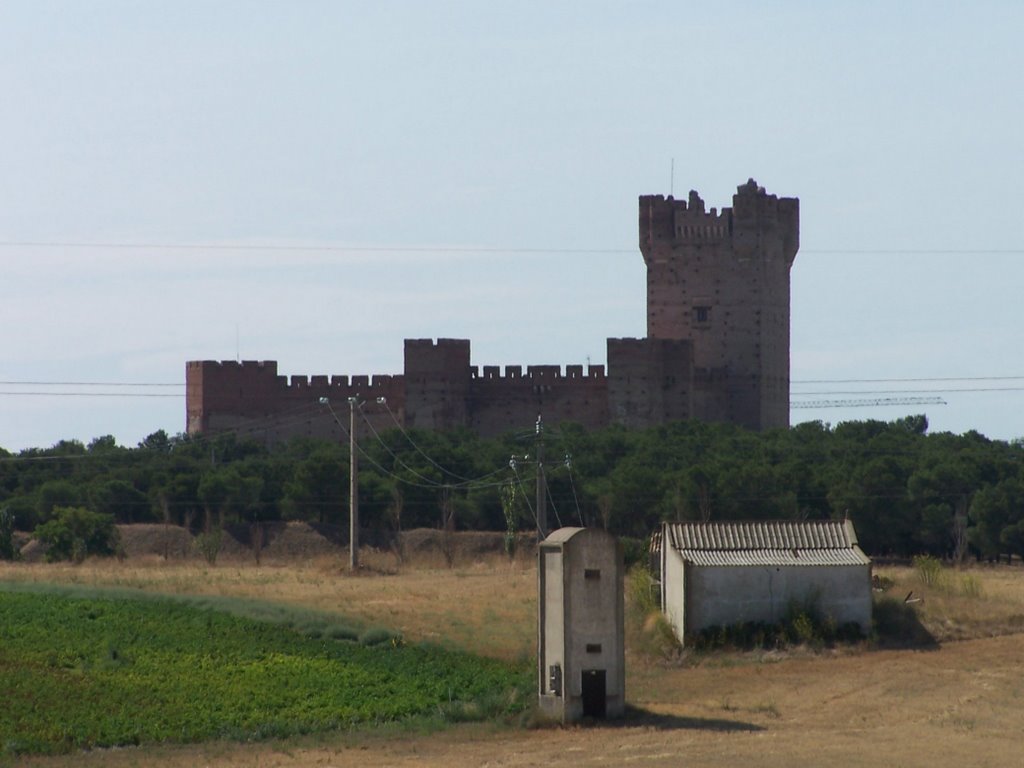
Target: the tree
pixel 103 444
pixel 318 489
pixel 225 491
pixel 74 533
pixel 57 493
pixel 158 442
pixel 121 499
pixel 7 550
pixel 943 492
pixel 994 510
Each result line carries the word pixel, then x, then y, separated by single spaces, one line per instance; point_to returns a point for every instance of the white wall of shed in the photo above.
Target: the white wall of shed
pixel 721 596
pixel 673 589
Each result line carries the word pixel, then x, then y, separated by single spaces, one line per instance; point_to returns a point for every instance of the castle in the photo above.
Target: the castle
pixel 717 349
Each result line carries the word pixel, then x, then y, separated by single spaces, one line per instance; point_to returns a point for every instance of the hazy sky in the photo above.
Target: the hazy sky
pixel 504 147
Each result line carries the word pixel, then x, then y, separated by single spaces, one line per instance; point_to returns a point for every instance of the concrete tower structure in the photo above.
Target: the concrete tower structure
pixel 721 281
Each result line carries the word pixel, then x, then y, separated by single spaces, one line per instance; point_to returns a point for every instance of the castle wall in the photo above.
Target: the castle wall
pixel 650 381
pixel 437 377
pixel 252 400
pixel 498 404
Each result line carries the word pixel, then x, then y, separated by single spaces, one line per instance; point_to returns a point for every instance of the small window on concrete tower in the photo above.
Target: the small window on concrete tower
pixel 702 314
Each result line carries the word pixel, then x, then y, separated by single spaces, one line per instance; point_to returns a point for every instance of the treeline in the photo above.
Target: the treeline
pixel 907 491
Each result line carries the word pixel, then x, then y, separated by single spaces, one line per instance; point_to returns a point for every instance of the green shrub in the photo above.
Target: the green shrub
pixel 208 545
pixel 970 586
pixel 7 550
pixel 341 632
pixel 74 533
pixel 634 550
pixel 930 572
pixel 379 635
pixel 643 593
pixel 508 509
pixel 800 627
pixel 650 631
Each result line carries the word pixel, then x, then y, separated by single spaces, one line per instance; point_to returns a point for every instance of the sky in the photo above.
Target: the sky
pixel 313 182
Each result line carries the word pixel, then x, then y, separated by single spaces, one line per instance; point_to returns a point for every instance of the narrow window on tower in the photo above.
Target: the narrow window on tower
pixel 702 315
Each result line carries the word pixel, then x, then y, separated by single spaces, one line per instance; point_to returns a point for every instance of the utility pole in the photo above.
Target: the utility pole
pixel 353 487
pixel 542 484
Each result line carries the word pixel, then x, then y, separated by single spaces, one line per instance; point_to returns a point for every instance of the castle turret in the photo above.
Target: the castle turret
pixel 721 280
pixel 437 378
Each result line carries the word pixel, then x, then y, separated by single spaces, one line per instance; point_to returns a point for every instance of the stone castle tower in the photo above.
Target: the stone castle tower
pixel 717 348
pixel 721 281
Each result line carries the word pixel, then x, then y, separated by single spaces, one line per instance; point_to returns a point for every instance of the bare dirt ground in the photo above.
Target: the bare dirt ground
pixel 962 704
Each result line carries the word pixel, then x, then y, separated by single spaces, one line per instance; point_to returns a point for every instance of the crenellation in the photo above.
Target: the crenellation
pixel 717 347
pixel 544 372
pixel 515 373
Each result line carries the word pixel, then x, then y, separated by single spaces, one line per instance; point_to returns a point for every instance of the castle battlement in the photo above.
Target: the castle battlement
pixel 537 373
pixel 269 367
pixel 687 223
pixel 327 384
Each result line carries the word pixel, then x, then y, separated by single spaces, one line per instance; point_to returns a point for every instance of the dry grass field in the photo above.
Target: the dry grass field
pixel 959 704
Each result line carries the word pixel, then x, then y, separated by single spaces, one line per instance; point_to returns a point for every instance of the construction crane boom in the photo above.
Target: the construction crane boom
pixel 873 401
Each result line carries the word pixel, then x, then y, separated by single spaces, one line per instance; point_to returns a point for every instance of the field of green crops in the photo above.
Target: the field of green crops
pixel 94 671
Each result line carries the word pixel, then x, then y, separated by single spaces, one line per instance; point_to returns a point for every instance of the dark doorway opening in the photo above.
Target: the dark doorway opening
pixel 594 693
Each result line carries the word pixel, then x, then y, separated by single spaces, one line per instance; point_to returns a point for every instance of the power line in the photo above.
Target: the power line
pixel 908 380
pixel 398 478
pixel 274 248
pixel 306 248
pixel 907 391
pixel 90 384
pixel 796 382
pixel 795 403
pixel 387 448
pixel 914 251
pixel 91 394
pixel 408 437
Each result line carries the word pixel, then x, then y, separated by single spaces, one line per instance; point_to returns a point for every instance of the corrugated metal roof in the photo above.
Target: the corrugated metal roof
pixel 767 542
pixel 777 557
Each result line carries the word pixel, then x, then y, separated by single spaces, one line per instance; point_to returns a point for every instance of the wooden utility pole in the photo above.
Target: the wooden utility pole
pixel 353 487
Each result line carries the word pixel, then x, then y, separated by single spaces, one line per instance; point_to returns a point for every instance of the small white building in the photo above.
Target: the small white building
pixel 721 574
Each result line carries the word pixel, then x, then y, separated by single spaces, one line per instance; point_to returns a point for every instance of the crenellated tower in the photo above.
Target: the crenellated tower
pixel 721 281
